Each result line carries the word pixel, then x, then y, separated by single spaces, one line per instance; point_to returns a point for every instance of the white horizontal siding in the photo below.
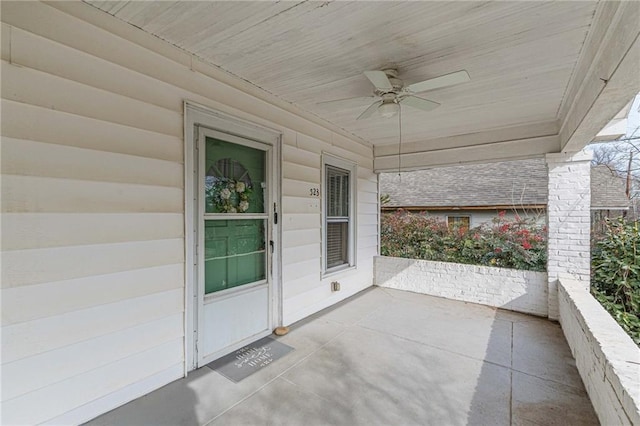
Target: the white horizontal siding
pixel 140 387
pixel 367 230
pixel 368 209
pixel 54 58
pixel 305 289
pixel 48 91
pixel 301 173
pixel 368 185
pixel 30 194
pixel 368 219
pixel 367 197
pixel 62 128
pixel 24 157
pixel 34 337
pixel 305 268
pixel 28 303
pixel 36 266
pixel 339 147
pixel 93 211
pixel 308 298
pixel 301 253
pixel 366 255
pixel 51 401
pixel 297 238
pixel 300 205
pixel 299 286
pixel 93 228
pixel 298 188
pixel 293 155
pixel 39 230
pixel 291 222
pixel 368 241
pixel 57 365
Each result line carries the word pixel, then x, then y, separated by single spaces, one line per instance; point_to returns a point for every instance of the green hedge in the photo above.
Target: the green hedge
pixel 615 273
pixel 518 243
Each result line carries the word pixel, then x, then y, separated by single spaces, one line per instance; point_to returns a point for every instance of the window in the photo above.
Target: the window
pixel 458 221
pixel 339 214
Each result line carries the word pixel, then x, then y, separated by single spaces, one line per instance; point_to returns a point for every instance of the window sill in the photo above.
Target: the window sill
pixel 338 270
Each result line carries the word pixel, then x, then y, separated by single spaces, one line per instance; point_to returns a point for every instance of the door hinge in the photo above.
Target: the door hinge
pixel 275 214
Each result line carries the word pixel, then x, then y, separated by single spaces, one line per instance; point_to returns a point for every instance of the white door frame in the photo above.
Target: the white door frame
pixel 197 116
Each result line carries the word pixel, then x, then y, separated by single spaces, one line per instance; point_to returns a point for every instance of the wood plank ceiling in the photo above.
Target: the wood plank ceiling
pixel 520 55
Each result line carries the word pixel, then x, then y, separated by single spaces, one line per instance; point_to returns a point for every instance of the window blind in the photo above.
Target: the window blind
pixel 338 216
pixel 337 242
pixel 338 192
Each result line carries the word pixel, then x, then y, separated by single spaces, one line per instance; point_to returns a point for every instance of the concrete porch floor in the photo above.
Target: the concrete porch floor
pixel 387 357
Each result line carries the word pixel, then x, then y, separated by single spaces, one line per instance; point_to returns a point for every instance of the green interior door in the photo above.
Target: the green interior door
pixel 234 253
pixel 234 219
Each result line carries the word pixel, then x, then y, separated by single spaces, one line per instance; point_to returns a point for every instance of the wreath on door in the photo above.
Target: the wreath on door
pixel 228 186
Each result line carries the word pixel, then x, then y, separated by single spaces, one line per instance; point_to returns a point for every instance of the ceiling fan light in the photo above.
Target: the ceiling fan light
pixel 389 109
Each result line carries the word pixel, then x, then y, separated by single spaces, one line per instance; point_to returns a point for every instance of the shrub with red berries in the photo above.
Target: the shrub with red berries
pixel 518 243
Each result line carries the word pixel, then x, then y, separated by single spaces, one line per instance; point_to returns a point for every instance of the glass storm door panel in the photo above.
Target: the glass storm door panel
pixel 235 178
pixel 234 234
pixel 235 247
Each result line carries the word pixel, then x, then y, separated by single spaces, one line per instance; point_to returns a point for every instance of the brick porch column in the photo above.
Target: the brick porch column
pixel 568 221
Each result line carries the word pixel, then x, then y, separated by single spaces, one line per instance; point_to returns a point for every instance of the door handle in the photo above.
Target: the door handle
pixel 272 245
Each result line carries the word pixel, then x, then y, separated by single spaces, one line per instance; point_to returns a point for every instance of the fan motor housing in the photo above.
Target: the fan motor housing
pixel 392 75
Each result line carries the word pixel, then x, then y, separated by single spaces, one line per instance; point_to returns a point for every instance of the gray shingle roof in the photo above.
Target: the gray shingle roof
pixel 509 183
pixel 607 190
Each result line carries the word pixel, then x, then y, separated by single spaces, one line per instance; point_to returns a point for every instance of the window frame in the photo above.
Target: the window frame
pixel 458 216
pixel 351 168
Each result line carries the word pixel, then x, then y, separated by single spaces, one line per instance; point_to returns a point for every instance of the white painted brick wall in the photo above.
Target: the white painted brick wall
pixel 606 357
pixel 521 291
pixel 568 222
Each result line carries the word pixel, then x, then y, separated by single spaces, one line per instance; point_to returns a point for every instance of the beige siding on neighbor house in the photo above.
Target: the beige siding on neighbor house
pixel 93 281
pixel 481 217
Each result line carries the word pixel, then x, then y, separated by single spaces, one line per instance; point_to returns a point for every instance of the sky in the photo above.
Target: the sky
pixel 633 118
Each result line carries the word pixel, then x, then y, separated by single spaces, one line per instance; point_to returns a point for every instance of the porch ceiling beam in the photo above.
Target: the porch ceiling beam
pixel 483 153
pixel 606 76
pixel 530 130
pixel 534 139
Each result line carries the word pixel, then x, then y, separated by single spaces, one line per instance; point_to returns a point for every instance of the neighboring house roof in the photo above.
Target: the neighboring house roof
pixel 521 184
pixel 607 190
pixel 509 183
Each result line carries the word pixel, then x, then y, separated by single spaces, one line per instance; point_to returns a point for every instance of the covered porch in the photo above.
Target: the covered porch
pixel 388 356
pixel 108 110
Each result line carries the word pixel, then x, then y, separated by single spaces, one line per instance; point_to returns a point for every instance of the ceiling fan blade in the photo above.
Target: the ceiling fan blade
pixel 419 103
pixel 379 79
pixel 354 101
pixel 369 111
pixel 438 82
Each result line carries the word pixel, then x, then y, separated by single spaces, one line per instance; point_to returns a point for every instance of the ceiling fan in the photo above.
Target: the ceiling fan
pixel 392 92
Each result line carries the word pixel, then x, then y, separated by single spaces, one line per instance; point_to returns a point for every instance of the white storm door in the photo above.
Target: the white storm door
pixel 235 205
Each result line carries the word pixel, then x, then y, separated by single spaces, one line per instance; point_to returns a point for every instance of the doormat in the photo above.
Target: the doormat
pixel 247 360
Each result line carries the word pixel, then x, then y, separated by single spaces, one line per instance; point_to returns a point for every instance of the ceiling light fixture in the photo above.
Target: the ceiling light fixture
pixel 389 109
